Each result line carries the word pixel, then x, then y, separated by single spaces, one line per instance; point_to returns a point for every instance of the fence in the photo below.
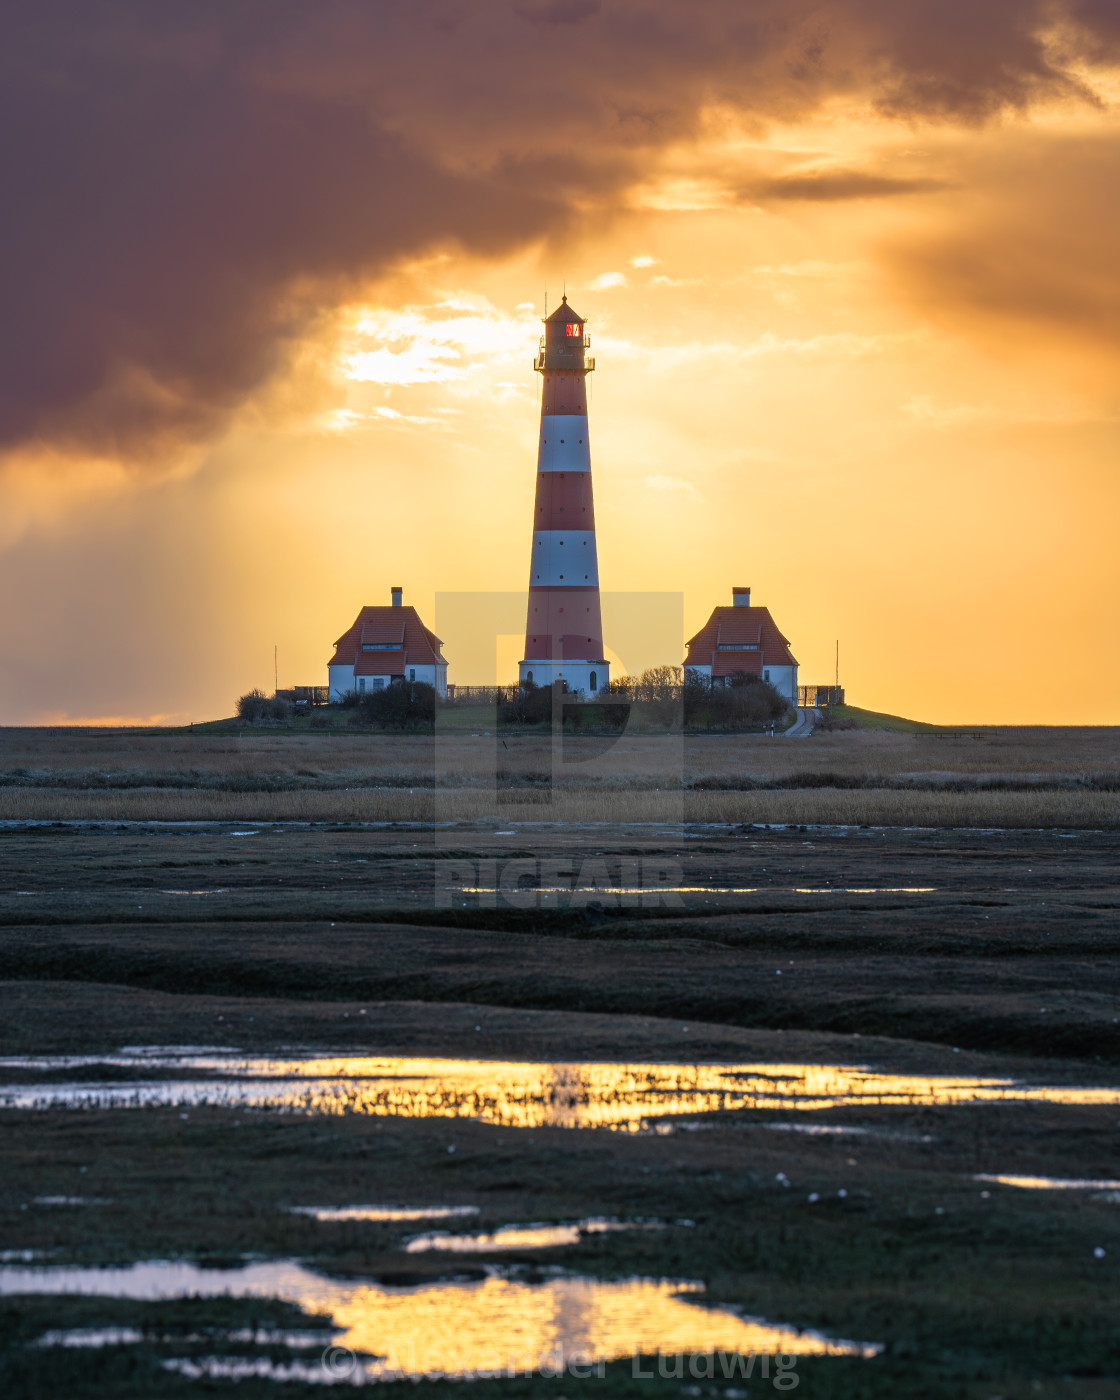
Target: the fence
pixel 814 696
pixel 480 694
pixel 304 695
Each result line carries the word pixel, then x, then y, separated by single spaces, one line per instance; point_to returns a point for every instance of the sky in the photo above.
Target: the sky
pixel 273 275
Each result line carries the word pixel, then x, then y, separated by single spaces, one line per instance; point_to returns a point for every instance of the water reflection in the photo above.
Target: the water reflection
pixel 513 1237
pixel 92 1337
pixel 1051 1183
pixel 870 889
pixel 514 1094
pixel 132 1336
pixel 385 1213
pixel 460 1327
pixel 71 1200
pixel 645 890
pixel 844 1130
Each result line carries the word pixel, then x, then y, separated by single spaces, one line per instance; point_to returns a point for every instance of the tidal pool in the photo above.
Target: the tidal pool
pixel 582 894
pixel 514 1237
pixel 512 1094
pixel 96 1337
pixel 71 1200
pixel 1051 1183
pixel 383 1213
pixel 498 1324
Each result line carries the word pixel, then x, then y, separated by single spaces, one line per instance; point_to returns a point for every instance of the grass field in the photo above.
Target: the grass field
pixel 854 717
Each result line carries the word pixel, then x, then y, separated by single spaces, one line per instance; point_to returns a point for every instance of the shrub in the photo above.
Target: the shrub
pixel 401 705
pixel 255 706
pixel 528 704
pixel 661 697
pixel 657 696
pixel 746 702
pixel 657 685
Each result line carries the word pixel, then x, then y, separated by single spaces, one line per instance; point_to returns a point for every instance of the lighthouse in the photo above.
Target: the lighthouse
pixel 564 626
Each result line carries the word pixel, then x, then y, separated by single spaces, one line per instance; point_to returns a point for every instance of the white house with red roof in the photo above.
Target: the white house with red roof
pixel 386 644
pixel 742 640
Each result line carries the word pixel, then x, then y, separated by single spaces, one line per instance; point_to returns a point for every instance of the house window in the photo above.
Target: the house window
pixel 412 673
pixel 593 681
pixel 361 682
pixel 529 674
pixel 379 682
pixel 766 675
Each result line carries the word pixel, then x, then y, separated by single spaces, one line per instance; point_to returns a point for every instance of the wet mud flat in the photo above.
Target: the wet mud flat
pixel 539 1065
pixel 865 1224
pixel 1002 941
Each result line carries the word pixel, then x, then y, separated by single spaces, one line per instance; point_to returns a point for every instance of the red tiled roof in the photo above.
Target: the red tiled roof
pixel 378 633
pixel 740 627
pixel 380 663
pixel 413 641
pixel 746 632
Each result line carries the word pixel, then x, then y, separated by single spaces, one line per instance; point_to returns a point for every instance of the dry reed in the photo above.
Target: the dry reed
pixel 990 777
pixel 398 758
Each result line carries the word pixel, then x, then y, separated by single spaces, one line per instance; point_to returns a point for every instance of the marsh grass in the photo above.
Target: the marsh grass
pixel 994 777
pixel 817 806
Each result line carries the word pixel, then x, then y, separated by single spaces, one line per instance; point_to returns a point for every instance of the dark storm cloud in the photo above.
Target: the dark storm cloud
pixel 164 223
pixel 1099 23
pixel 186 187
pixel 559 11
pixel 1048 266
pixel 839 185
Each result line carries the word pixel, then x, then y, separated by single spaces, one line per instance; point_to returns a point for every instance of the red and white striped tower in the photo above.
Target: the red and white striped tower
pixel 564 628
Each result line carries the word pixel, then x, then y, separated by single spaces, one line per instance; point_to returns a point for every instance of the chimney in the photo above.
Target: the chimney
pixel 396 591
pixel 741 597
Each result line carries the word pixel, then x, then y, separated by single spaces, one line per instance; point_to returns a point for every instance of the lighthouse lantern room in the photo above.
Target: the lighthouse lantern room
pixel 564 628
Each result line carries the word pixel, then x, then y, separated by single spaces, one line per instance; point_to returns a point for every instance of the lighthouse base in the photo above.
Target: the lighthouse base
pixel 588 677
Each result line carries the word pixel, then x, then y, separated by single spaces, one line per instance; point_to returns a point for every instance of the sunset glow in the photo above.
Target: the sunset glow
pixel 854 311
